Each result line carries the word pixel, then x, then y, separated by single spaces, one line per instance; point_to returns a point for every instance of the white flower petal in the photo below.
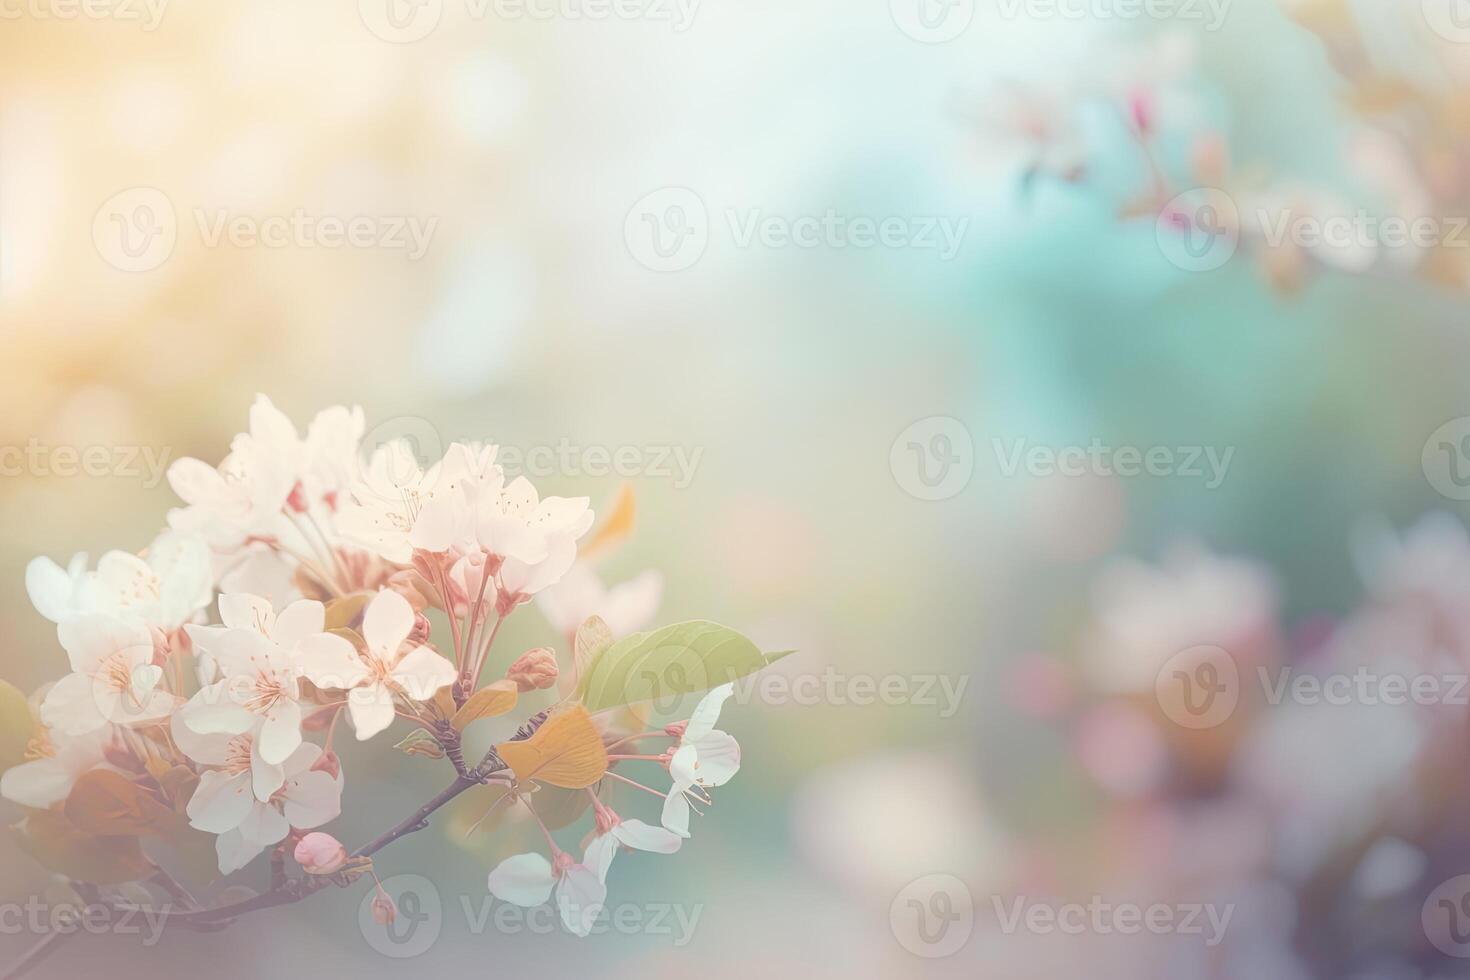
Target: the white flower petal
pixel 53 592
pixel 422 672
pixel 645 837
pixel 707 712
pixel 243 611
pixel 221 802
pixel 580 896
pixel 280 735
pixel 297 621
pixel 73 706
pixel 371 707
pixel 676 812
pixel 523 880
pixel 312 799
pixel 718 758
pixel 331 662
pixel 386 624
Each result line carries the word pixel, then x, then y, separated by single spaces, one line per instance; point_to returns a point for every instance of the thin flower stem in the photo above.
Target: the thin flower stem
pixel 631 782
pixel 537 817
pixel 449 610
pixel 484 654
pixel 473 617
pixel 327 545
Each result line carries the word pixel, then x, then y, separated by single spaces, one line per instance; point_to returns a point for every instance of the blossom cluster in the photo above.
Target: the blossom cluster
pixel 310 585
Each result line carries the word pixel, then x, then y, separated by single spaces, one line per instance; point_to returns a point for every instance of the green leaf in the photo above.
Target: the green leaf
pixel 664 665
pixel 16 726
pixel 421 742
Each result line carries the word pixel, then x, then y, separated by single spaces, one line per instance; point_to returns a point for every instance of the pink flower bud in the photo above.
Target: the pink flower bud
pixel 384 911
pixel 419 635
pixel 676 729
pixel 320 854
pixel 535 670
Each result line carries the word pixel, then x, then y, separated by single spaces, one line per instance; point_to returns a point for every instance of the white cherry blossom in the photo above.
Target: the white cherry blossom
pixel 626 607
pixel 528 880
pixel 704 758
pixel 44 781
pixel 259 655
pixel 113 678
pixel 224 803
pixel 165 589
pixel 386 669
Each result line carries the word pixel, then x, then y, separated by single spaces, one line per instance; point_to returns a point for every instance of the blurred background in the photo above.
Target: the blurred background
pixel 981 350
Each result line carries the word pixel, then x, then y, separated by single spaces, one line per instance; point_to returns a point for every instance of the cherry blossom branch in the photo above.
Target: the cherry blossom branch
pixel 296 889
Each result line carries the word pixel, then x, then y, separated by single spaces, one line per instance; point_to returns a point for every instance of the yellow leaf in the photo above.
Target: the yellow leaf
pixel 16 726
pixel 105 803
pixel 61 847
pixel 566 751
pixel 489 701
pixel 443 703
pixel 346 612
pixel 616 528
